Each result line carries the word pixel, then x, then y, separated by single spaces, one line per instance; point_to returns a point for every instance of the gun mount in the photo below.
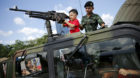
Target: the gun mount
pixel 47 16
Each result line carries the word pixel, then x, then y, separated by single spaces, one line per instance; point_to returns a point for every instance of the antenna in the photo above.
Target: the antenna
pixel 80 7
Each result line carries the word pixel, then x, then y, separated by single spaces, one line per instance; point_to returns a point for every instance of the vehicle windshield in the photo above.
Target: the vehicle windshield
pixel 106 59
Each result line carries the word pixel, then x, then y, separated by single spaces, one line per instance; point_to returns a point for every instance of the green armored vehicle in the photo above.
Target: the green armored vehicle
pixel 106 53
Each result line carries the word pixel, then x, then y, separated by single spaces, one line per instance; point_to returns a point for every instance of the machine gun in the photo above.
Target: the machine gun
pixel 47 16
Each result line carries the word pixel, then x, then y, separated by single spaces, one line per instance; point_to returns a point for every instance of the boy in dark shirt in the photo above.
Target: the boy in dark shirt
pixel 91 20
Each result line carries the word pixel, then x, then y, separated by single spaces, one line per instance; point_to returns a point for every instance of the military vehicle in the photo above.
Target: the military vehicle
pixel 112 52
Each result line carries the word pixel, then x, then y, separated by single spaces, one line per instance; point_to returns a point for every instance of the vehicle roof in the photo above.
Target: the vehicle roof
pixel 99 35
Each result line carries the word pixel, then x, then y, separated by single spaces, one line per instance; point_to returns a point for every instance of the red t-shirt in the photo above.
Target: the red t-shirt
pixel 76 28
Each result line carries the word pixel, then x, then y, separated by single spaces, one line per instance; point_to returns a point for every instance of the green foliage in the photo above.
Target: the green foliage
pixel 17 46
pixel 9 50
pixel 4 50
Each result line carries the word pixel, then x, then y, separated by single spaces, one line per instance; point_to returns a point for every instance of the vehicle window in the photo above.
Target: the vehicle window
pixel 69 64
pixel 32 65
pixel 115 58
pixel 107 59
pixel 4 68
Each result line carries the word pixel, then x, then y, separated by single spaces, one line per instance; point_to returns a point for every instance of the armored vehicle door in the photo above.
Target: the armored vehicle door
pixel 9 69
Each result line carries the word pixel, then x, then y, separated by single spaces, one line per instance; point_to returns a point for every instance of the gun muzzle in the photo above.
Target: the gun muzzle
pixel 14 9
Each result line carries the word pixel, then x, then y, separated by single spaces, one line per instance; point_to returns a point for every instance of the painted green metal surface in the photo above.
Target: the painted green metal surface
pixel 129 12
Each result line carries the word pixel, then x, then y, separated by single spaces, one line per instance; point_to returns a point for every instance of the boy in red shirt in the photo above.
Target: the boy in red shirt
pixel 73 23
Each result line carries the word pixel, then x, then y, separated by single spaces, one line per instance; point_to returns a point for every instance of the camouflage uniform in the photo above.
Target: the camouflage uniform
pixel 91 23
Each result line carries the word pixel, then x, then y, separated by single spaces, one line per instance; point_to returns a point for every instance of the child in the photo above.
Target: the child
pixel 73 23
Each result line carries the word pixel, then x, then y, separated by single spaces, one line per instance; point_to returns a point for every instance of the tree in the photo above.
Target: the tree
pixel 9 50
pixel 4 50
pixel 19 45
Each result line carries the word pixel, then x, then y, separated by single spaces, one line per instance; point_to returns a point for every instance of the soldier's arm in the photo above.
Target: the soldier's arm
pixel 126 72
pixel 100 21
pixel 81 27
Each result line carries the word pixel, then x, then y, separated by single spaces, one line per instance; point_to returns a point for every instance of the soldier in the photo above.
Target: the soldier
pixel 90 21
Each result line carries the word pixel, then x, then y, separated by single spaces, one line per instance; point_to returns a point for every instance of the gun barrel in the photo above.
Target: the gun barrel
pixel 21 10
pixel 15 9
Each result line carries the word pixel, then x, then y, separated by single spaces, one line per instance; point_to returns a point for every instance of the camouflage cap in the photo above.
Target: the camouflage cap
pixel 89 3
